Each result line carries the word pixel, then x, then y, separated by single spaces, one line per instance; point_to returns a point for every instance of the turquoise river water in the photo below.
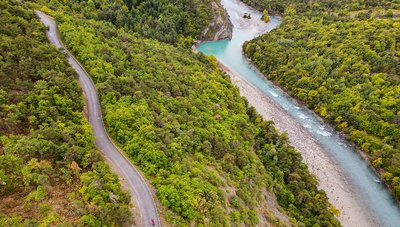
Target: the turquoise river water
pixel 376 197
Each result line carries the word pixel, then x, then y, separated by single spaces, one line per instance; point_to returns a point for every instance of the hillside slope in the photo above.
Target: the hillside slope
pixel 172 21
pixel 50 170
pixel 211 158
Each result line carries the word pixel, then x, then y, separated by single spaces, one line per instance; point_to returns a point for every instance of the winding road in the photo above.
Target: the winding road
pixel 135 182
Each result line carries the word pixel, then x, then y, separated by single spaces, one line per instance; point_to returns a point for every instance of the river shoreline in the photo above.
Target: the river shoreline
pixel 343 172
pixel 366 157
pixel 363 155
pixel 330 178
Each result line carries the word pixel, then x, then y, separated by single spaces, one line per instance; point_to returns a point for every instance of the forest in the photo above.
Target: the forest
pixel 342 60
pixel 210 156
pixel 50 171
pixel 171 21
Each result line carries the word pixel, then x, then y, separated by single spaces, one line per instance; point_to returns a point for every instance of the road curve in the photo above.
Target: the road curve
pixel 135 181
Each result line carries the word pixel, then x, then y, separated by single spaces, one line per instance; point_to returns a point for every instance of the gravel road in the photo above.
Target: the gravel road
pixel 131 178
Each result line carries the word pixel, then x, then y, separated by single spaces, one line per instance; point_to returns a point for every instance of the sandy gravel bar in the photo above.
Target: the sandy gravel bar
pixel 330 177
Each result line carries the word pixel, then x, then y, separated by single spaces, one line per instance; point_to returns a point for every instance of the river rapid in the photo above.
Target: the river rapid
pixel 351 185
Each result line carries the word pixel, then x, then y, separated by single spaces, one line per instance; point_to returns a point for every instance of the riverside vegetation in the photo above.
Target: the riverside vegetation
pixel 341 58
pixel 210 156
pixel 50 170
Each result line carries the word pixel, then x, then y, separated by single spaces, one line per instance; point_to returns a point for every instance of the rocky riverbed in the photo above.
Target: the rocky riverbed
pixel 350 184
pixel 331 179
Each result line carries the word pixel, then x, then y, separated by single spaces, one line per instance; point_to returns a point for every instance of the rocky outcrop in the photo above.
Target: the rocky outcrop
pixel 220 27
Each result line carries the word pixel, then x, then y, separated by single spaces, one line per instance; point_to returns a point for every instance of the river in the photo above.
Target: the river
pixel 349 182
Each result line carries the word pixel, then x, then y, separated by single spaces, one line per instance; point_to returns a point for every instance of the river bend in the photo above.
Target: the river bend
pixel 349 182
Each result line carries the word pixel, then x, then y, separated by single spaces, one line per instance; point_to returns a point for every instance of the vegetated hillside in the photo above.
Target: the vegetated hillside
pixel 342 60
pixel 320 7
pixel 50 171
pixel 171 21
pixel 211 158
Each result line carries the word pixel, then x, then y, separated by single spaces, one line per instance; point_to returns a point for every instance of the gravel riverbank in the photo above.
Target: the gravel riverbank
pixel 330 177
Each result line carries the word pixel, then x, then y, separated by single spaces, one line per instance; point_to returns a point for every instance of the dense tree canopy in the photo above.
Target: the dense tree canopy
pixel 210 156
pixel 342 60
pixel 172 21
pixel 50 171
pixel 317 8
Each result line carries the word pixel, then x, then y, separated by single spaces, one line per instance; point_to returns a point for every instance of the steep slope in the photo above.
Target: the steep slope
pixel 211 158
pixel 171 21
pixel 144 109
pixel 342 60
pixel 220 27
pixel 50 170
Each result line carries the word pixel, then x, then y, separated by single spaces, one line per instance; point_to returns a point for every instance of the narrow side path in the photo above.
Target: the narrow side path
pixel 136 183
